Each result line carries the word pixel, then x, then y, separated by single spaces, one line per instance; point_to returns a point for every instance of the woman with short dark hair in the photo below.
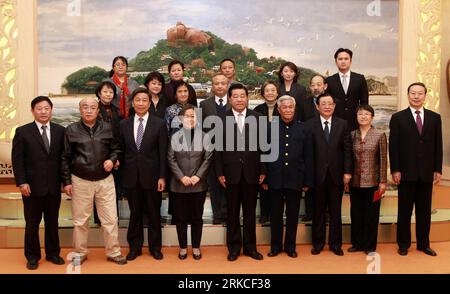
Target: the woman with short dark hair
pixel 154 82
pixel 176 71
pixel 189 160
pixel 368 181
pixel 124 85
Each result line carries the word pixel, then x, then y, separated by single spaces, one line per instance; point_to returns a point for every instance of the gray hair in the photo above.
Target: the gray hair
pixel 84 100
pixel 285 98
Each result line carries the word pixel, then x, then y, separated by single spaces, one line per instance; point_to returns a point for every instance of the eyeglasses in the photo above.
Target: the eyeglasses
pixel 120 65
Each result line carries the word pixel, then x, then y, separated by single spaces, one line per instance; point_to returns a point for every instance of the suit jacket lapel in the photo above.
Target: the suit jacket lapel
pixel 130 133
pixel 36 132
pixel 412 121
pixel 146 135
pixel 426 121
pixel 320 129
pixel 337 78
pixel 52 137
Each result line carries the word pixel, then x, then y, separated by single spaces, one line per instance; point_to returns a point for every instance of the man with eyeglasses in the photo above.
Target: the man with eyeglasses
pixel 90 153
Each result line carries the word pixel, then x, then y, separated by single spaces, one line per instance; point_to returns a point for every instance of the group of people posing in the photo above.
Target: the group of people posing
pixel 141 141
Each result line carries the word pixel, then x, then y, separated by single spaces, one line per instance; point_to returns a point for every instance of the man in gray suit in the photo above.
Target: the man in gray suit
pixel 215 105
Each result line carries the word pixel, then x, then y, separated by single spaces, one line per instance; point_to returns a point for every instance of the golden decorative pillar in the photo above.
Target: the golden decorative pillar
pixel 8 79
pixel 429 53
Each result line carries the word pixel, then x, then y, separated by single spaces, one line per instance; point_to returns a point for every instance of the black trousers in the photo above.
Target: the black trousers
pixel 265 202
pixel 309 202
pixel 137 199
pixel 217 195
pixel 292 200
pixel 365 215
pixel 34 207
pixel 246 195
pixel 188 208
pixel 327 194
pixel 412 194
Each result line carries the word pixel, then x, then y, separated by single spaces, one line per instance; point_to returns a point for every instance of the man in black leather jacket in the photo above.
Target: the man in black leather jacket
pixel 90 153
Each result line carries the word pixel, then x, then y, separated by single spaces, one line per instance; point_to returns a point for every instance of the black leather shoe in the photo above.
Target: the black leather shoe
pixel 338 251
pixel 306 218
pixel 197 256
pixel 157 254
pixel 273 253
pixel 315 251
pixel 232 257
pixel 32 264
pixel 353 249
pixel 182 256
pixel 429 251
pixel 292 254
pixel 55 259
pixel 402 252
pixel 263 219
pixel 132 255
pixel 255 255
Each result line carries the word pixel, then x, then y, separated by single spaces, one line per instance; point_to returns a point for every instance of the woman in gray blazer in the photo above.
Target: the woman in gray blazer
pixel 189 158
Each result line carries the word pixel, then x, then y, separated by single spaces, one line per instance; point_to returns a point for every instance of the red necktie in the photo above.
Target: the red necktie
pixel 419 123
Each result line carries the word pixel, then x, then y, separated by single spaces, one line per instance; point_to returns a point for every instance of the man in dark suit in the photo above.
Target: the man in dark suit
pixel 306 111
pixel 143 139
pixel 348 88
pixel 333 170
pixel 240 171
pixel 288 175
pixel 212 107
pixel 36 160
pixel 415 152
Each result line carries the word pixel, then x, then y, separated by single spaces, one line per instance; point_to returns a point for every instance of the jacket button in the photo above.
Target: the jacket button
pixel 287 163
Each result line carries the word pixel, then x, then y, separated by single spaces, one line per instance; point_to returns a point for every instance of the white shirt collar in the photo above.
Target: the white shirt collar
pixel 145 117
pixel 413 110
pixel 39 125
pixel 322 120
pixel 244 112
pixel 224 98
pixel 341 74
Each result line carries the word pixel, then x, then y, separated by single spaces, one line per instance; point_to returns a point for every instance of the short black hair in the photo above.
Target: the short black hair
pixel 326 94
pixel 139 90
pixel 417 84
pixel 178 84
pixel 366 107
pixel 318 75
pixel 263 88
pixel 174 62
pixel 186 108
pixel 237 86
pixel 40 99
pixel 346 50
pixel 154 75
pixel 292 66
pixel 227 59
pixel 108 84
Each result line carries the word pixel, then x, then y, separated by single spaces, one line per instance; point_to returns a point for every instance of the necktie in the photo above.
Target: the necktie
pixel 327 132
pixel 344 83
pixel 221 106
pixel 45 138
pixel 419 123
pixel 140 133
pixel 240 122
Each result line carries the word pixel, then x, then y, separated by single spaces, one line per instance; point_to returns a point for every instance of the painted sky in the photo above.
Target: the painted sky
pixel 303 31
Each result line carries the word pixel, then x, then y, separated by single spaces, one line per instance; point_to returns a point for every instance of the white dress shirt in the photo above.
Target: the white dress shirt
pixel 39 126
pixel 413 111
pixel 236 115
pixel 224 98
pixel 347 74
pixel 136 124
pixel 322 120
